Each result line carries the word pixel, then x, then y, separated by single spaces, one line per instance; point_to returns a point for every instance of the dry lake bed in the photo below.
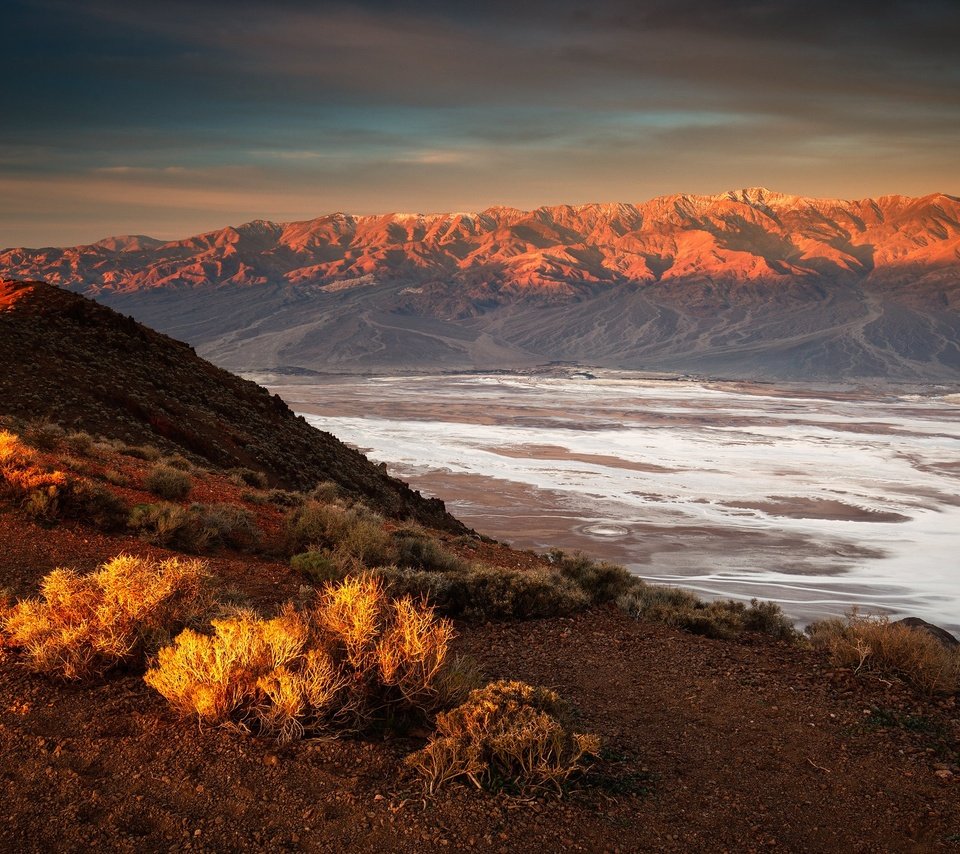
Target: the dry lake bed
pixel 820 498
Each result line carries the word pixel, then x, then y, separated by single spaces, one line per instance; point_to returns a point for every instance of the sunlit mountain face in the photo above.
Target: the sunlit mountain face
pixel 748 283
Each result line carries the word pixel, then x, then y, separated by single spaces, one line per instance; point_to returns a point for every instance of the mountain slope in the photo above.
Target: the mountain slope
pixel 81 364
pixel 749 282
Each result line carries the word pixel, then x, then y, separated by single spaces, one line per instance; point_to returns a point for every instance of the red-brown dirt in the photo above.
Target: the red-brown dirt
pixel 748 745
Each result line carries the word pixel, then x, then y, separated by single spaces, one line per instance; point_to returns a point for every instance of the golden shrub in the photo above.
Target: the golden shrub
pixel 352 657
pixel 83 625
pixel 505 733
pixel 35 487
pixel 875 644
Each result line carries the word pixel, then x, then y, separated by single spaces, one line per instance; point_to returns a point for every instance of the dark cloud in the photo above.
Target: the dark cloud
pixel 372 105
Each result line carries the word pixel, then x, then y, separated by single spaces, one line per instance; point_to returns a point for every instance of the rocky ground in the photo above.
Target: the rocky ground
pixel 710 745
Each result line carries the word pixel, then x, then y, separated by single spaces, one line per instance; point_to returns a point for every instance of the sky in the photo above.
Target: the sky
pixel 172 118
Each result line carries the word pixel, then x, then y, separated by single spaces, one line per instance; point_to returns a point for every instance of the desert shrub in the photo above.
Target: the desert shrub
pixel 227 525
pixel 91 503
pixel 116 477
pixel 286 498
pixel 355 532
pixel 602 582
pixel 421 551
pixel 169 483
pixel 178 461
pixel 169 525
pixel 258 498
pixel 508 733
pixel 81 626
pixel 79 443
pixel 353 658
pixel 150 453
pixel 724 618
pixel 196 528
pixel 14 453
pixel 325 492
pixel 47 494
pixel 875 644
pixel 248 477
pixel 38 489
pixel 495 593
pixel 43 435
pixel 320 567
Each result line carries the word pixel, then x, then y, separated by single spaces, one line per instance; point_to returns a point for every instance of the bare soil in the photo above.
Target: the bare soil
pixel 710 745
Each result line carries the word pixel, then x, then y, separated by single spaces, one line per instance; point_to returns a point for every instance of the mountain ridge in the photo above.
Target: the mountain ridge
pixel 749 282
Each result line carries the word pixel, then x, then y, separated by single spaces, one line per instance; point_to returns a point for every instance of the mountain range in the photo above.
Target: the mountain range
pixel 748 283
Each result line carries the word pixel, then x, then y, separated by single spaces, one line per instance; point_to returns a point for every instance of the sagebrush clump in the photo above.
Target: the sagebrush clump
pixel 167 482
pixel 506 734
pixel 195 529
pixel 47 494
pixel 865 643
pixel 248 477
pixel 83 625
pixel 724 618
pixel 353 658
pixel 352 531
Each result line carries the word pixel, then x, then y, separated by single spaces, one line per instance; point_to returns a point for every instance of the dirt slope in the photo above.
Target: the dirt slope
pixel 79 363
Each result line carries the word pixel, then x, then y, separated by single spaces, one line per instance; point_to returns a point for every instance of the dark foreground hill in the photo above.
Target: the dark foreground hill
pixel 66 358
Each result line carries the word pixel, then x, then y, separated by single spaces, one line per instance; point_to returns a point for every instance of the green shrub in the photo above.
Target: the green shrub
pixel 354 532
pixel 507 733
pixel 325 492
pixel 769 619
pixel 489 593
pixel 169 483
pixel 423 552
pixel 602 582
pixel 723 618
pixel 248 477
pixel 286 498
pixel 227 525
pixel 116 477
pixel 500 593
pixel 319 567
pixel 194 529
pixel 90 503
pixel 178 461
pixel 449 593
pixel 169 525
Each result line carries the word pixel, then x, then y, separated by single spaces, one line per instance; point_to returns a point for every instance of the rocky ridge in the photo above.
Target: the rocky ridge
pixel 749 283
pixel 84 366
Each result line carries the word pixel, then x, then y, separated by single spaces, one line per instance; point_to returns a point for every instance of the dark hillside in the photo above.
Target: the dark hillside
pixel 85 366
